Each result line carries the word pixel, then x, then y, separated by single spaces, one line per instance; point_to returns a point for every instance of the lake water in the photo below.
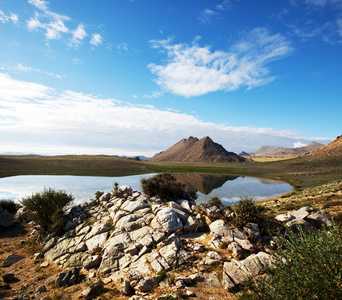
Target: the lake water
pixel 229 188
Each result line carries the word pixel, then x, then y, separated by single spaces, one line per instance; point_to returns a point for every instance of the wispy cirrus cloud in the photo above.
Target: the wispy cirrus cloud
pixel 192 70
pixel 55 26
pixel 6 18
pixel 68 122
pixel 208 14
pixel 320 19
pixel 19 68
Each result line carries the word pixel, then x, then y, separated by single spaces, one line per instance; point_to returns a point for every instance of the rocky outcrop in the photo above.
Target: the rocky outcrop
pixel 133 239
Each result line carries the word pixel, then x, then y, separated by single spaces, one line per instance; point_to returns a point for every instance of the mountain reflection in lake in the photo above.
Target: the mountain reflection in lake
pixel 229 188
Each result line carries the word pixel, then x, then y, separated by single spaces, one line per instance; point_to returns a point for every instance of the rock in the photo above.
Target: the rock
pixel 134 205
pixel 319 219
pixel 105 197
pixel 305 225
pixel 213 281
pixel 239 234
pixel 92 262
pixel 232 275
pixel 8 278
pixel 212 258
pixel 67 278
pixel 215 242
pixel 49 244
pixel 252 230
pixel 235 249
pixel 95 289
pixel 42 289
pixel 246 244
pixel 147 284
pixel 6 219
pixel 44 264
pixel 284 217
pixel 38 255
pixel 125 287
pixel 96 241
pixel 125 189
pixel 219 227
pixel 167 221
pixel 11 259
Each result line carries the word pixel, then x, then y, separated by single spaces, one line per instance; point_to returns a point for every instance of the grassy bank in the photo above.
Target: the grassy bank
pixel 300 172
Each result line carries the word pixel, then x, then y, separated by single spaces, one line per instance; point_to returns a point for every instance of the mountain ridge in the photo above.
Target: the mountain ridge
pixel 195 150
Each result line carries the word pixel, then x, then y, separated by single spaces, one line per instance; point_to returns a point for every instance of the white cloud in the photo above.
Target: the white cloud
pixel 34 117
pixel 299 144
pixel 96 39
pixel 192 70
pixel 55 26
pixel 41 4
pixel 6 18
pixel 78 35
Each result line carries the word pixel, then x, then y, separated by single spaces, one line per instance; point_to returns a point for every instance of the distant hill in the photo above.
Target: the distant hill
pixel 276 150
pixel 195 150
pixel 243 153
pixel 332 149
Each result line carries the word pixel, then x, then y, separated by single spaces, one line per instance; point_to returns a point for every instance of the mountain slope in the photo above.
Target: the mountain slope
pixel 332 149
pixel 276 150
pixel 195 150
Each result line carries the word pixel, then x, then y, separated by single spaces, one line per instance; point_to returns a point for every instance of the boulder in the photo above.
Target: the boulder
pixel 94 290
pixel 219 227
pixel 167 221
pixel 319 219
pixel 6 219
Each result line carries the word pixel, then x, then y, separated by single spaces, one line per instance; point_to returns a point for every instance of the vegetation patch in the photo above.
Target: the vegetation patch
pixel 47 209
pixel 310 264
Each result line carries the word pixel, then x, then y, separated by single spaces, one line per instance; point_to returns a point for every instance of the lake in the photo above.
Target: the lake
pixel 229 188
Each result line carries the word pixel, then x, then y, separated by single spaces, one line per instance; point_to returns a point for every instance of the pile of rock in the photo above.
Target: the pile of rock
pixel 133 240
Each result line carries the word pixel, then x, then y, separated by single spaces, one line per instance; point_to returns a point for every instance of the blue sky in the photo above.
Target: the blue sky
pixel 133 77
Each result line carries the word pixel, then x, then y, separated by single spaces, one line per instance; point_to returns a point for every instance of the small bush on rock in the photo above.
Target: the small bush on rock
pixel 248 211
pixel 312 268
pixel 10 206
pixel 165 186
pixel 47 208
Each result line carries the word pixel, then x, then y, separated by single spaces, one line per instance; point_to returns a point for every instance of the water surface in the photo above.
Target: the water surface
pixel 229 188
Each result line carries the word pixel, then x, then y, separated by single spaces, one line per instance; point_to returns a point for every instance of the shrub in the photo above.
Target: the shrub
pixel 165 186
pixel 116 192
pixel 10 206
pixel 312 268
pixel 248 211
pixel 47 208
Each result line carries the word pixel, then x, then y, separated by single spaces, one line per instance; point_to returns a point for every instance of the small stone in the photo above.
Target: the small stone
pixel 44 264
pixel 7 278
pixel 11 259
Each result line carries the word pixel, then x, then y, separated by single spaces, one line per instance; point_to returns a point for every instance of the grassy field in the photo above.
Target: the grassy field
pixel 299 172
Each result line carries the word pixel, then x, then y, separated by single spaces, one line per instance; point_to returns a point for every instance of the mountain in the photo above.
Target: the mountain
pixel 195 150
pixel 276 150
pixel 243 153
pixel 332 149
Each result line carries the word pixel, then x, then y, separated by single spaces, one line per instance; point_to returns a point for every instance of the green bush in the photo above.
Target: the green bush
pixel 248 211
pixel 165 186
pixel 47 208
pixel 312 268
pixel 10 206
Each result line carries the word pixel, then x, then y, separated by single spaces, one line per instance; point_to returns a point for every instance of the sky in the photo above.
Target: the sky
pixel 133 77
